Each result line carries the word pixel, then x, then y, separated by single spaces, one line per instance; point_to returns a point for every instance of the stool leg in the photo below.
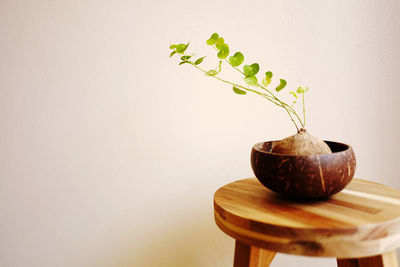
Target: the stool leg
pixel 250 256
pixel 388 259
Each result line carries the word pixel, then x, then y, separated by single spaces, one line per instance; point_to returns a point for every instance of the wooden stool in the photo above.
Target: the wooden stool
pixel 360 226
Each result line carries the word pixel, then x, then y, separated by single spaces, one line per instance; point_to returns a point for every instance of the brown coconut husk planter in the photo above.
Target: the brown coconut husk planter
pixel 304 176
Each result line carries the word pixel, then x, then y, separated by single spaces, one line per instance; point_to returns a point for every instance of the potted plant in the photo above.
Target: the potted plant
pixel 300 165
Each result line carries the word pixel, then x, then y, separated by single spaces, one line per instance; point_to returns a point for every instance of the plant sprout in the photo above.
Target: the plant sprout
pixel 249 77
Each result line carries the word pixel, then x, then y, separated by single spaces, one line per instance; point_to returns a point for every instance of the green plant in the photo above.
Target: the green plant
pixel 249 73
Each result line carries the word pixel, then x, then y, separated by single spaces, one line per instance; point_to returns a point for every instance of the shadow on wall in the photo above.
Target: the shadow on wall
pixel 195 243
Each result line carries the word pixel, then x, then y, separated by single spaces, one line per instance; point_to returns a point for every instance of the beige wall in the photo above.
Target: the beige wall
pixel 110 152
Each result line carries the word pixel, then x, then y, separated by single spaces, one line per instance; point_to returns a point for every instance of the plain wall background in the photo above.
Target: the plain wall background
pixel 110 152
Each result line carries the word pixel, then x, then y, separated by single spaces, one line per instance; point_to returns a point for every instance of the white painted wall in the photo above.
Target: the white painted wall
pixel 110 152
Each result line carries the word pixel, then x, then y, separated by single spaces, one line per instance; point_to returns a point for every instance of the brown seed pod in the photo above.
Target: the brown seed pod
pixel 301 144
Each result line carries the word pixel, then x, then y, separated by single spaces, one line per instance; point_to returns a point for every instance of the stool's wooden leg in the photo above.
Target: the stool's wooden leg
pixel 250 256
pixel 388 259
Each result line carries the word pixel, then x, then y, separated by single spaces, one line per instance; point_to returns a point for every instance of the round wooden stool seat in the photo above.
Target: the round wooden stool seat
pixel 360 226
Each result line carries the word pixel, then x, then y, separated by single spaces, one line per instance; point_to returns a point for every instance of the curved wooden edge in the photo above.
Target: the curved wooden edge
pixel 359 233
pixel 328 248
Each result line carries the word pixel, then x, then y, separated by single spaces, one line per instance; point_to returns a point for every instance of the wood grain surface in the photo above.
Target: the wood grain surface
pixel 250 256
pixel 388 259
pixel 362 220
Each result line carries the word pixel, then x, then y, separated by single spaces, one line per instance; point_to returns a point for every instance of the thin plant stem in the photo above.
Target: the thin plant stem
pixel 304 112
pixel 270 96
pixel 273 99
pixel 283 105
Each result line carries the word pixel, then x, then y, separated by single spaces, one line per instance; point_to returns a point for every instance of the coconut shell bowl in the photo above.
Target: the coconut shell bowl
pixel 308 177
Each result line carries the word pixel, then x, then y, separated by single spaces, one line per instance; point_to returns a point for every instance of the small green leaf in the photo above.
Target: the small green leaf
pixel 239 91
pixel 219 43
pixel 224 51
pixel 173 46
pixel 224 47
pixel 267 80
pixel 213 39
pixel 251 70
pixel 222 54
pixel 211 73
pixel 216 71
pixel 172 53
pixel 183 62
pixel 197 62
pixel 251 80
pixel 281 85
pixel 180 48
pixel 302 90
pixel 185 57
pixel 219 66
pixel 236 59
pixel 264 82
pixel 294 94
